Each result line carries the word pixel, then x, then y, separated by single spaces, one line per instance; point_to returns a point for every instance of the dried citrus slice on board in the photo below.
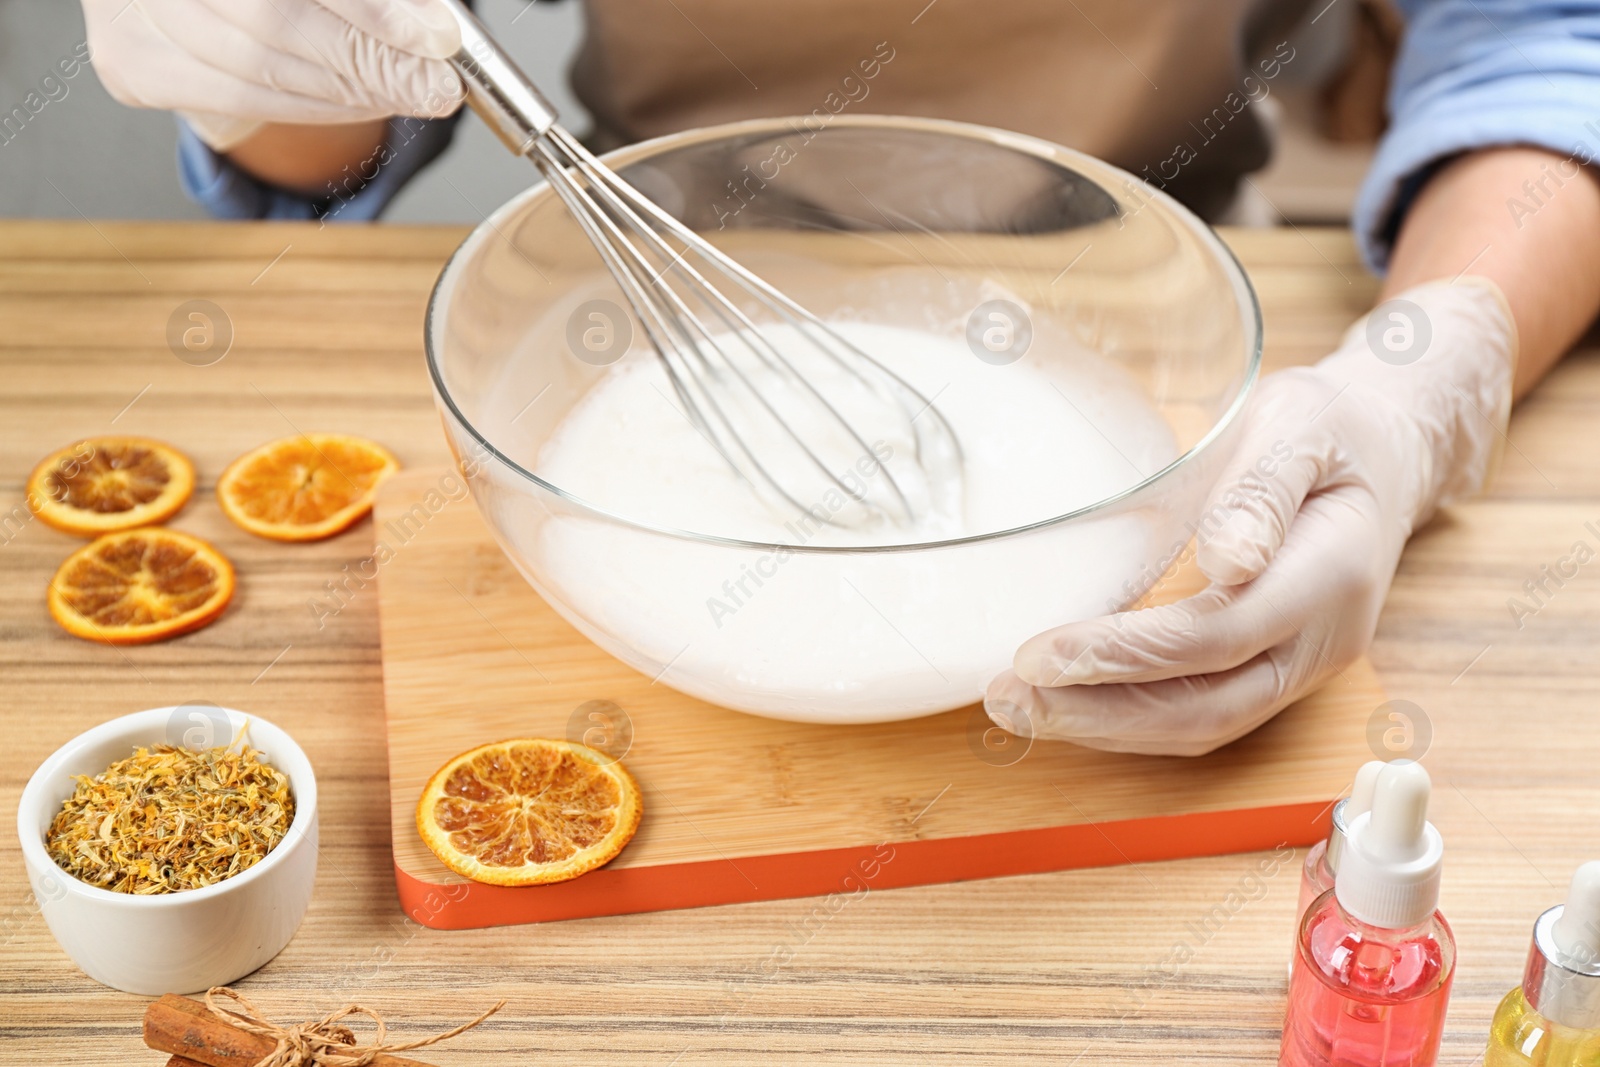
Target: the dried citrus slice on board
pixel 304 488
pixel 102 484
pixel 528 811
pixel 140 585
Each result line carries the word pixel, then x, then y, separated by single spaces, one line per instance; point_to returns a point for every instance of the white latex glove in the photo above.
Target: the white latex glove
pixel 230 65
pixel 1363 451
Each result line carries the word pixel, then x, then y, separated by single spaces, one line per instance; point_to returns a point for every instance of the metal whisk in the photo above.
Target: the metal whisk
pixel 818 427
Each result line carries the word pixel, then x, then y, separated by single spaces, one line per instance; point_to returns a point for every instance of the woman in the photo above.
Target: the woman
pixel 1480 207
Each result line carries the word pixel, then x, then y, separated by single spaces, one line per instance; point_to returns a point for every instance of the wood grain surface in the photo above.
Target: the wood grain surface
pixel 742 808
pixel 1181 961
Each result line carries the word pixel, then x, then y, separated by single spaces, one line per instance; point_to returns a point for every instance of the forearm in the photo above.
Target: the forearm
pixel 311 160
pixel 1545 256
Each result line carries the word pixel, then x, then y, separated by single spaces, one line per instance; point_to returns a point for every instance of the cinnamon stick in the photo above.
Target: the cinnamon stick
pixel 187 1029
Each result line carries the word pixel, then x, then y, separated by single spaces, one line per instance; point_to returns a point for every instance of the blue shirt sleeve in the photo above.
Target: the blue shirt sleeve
pixel 1475 74
pixel 360 195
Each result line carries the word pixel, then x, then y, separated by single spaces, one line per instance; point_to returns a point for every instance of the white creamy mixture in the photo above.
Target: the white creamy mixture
pixel 850 636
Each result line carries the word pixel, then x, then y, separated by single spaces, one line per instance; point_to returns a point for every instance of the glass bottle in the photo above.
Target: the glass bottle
pixel 1374 959
pixel 1322 861
pixel 1553 1018
pixel 1360 994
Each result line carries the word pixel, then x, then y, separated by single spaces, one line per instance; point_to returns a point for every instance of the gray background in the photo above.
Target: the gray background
pixel 87 153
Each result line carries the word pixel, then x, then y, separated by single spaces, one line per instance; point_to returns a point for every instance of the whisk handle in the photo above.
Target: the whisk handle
pixel 497 89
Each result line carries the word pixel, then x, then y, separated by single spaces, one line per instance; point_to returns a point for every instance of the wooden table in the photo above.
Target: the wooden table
pixel 1117 965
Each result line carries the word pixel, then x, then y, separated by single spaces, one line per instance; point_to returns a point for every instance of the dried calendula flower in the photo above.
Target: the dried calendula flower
pixel 167 819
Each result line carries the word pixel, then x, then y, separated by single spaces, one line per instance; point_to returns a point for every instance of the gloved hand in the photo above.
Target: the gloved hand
pixel 1405 417
pixel 230 65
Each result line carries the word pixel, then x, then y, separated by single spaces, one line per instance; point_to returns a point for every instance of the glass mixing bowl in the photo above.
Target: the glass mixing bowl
pixel 1025 252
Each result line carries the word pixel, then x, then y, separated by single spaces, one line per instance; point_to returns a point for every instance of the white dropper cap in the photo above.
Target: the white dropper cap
pixel 1365 785
pixel 1389 874
pixel 1577 932
pixel 1562 980
pixel 1358 802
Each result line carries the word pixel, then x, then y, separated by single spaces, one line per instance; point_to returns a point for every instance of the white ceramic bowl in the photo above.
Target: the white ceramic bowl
pixel 176 942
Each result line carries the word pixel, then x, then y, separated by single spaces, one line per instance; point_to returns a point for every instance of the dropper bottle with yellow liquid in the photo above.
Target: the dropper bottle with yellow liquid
pixel 1553 1018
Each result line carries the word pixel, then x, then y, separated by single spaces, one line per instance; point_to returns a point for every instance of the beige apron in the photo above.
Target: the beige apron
pixel 1163 88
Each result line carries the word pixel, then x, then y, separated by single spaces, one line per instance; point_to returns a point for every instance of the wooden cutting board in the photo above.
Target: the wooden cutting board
pixel 739 808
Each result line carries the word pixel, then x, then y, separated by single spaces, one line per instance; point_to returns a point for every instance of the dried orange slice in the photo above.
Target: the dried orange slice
pixel 140 585
pixel 528 811
pixel 304 488
pixel 103 484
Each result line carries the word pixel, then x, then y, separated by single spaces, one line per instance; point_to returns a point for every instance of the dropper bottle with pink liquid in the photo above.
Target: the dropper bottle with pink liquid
pixel 1375 959
pixel 1322 861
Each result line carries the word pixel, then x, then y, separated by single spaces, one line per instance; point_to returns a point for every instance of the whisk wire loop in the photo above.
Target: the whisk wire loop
pixel 811 435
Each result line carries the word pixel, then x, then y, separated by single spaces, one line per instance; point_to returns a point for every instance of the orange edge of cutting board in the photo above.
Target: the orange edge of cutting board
pixel 852 871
